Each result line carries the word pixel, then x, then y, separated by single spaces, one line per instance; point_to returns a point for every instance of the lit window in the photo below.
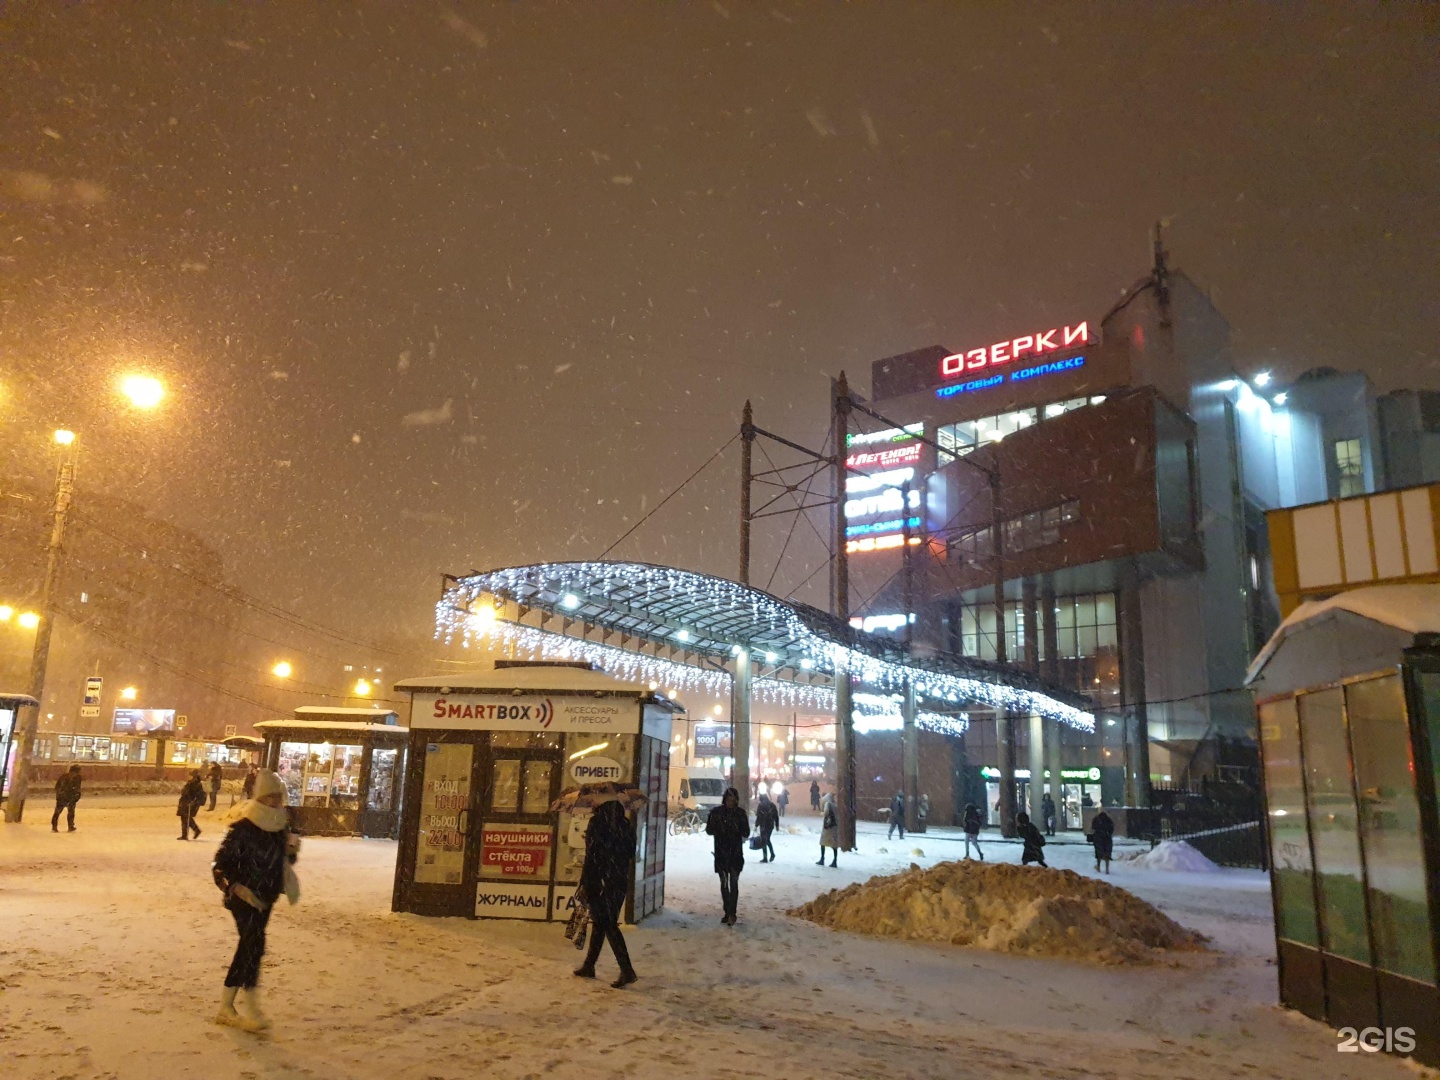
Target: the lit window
pixel 1349 467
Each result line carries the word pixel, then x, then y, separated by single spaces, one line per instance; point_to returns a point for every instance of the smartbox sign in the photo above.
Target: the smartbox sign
pixel 483 712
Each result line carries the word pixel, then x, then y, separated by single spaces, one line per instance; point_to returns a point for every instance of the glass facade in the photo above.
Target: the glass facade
pixel 965 436
pixel 1291 870
pixel 320 774
pixel 1036 529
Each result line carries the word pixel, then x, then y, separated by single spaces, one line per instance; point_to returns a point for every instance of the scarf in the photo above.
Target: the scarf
pixel 269 818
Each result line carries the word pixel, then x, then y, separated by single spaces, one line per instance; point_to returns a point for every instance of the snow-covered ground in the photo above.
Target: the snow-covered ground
pixel 113 948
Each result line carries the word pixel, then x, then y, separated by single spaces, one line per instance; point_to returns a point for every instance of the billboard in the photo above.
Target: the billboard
pixel 144 722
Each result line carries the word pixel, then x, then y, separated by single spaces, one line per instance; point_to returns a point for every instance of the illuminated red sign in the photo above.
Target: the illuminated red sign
pixel 886 459
pixel 1002 352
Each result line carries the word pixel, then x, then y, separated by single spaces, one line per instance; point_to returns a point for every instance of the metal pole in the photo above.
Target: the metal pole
pixel 19 787
pixel 909 734
pixel 1050 668
pixel 747 443
pixel 1004 722
pixel 740 718
pixel 844 710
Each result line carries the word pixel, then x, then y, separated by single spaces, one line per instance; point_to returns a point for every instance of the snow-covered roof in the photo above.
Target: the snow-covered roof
pixel 326 710
pixel 319 723
pixel 546 677
pixel 1412 609
pixel 17 700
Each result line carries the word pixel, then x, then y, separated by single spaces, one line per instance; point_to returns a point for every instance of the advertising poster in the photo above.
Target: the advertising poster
pixel 516 852
pixel 440 853
pixel 144 722
pixel 511 900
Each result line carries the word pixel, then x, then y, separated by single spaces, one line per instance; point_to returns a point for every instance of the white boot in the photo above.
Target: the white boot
pixel 252 1009
pixel 227 1014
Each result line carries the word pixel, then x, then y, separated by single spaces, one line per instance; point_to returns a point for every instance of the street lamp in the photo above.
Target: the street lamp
pixel 64 436
pixel 6 612
pixel 129 693
pixel 362 688
pixel 144 391
pixel 29 620
pixel 282 670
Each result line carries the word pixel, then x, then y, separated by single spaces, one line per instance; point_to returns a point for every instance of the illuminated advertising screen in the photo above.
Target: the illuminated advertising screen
pixel 144 722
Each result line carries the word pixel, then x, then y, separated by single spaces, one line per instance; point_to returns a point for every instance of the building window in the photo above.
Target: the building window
pixel 965 436
pixel 1349 467
pixel 1037 529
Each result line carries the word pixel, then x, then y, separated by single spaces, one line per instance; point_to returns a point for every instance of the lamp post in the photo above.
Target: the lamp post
pixel 143 392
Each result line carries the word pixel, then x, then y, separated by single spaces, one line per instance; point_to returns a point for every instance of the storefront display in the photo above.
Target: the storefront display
pixel 523 736
pixel 340 767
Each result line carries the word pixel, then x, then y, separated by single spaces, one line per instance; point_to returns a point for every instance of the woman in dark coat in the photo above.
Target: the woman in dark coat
pixel 1034 849
pixel 252 870
pixel 192 797
pixel 767 820
pixel 605 880
pixel 730 826
pixel 1102 835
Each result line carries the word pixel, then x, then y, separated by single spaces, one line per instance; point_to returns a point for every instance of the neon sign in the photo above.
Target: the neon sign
pixel 878 543
pixel 890 501
pixel 894 478
pixel 970 385
pixel 880 527
pixel 886 459
pixel 1003 352
pixel 893 434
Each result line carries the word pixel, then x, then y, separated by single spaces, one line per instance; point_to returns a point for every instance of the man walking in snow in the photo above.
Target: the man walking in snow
pixel 247 789
pixel 782 800
pixel 897 815
pixel 1047 811
pixel 192 797
pixel 67 794
pixel 767 820
pixel 1034 841
pixel 216 775
pixel 971 821
pixel 1102 835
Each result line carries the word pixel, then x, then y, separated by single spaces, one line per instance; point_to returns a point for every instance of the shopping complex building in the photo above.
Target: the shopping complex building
pixel 1114 475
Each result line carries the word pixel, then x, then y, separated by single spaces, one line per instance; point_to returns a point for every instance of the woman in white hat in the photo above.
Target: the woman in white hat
pixel 252 868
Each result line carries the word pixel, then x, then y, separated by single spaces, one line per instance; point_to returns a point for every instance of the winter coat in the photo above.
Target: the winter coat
pixel 67 788
pixel 729 825
pixel 1034 841
pixel 192 794
pixel 767 818
pixel 252 857
pixel 215 774
pixel 609 858
pixel 830 826
pixel 1102 835
pixel 897 810
pixel 783 799
pixel 972 820
pixel 248 787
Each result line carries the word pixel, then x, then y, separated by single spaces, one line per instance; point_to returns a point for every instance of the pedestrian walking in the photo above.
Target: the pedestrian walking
pixel 729 825
pixel 897 815
pixel 605 879
pixel 970 821
pixel 252 868
pixel 247 788
pixel 1102 835
pixel 192 797
pixel 216 776
pixel 782 800
pixel 922 812
pixel 767 820
pixel 1047 812
pixel 1034 841
pixel 814 794
pixel 67 794
pixel 829 832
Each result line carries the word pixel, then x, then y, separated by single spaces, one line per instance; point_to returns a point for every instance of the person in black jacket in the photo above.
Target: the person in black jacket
pixel 767 820
pixel 1047 811
pixel 252 869
pixel 729 825
pixel 216 776
pixel 1034 841
pixel 1102 835
pixel 192 797
pixel 67 794
pixel 972 823
pixel 897 815
pixel 605 880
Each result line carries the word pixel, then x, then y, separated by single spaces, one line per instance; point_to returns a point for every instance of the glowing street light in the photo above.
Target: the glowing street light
pixel 282 670
pixel 362 688
pixel 6 612
pixel 29 620
pixel 144 391
pixel 129 693
pixel 482 619
pixel 64 436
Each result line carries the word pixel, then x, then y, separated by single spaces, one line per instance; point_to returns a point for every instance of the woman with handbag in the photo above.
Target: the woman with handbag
pixel 252 868
pixel 829 832
pixel 605 881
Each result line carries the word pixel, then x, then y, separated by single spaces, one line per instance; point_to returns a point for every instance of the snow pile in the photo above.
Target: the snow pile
pixel 1174 855
pixel 1005 908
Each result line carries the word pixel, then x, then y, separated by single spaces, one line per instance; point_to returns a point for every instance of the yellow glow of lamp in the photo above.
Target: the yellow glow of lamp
pixel 29 620
pixel 144 391
pixel 482 619
pixel 362 688
pixel 129 693
pixel 6 612
pixel 282 670
pixel 64 436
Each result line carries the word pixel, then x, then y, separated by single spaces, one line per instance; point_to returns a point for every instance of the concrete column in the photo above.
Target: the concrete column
pixel 1050 670
pixel 740 718
pixel 844 755
pixel 910 737
pixel 1037 768
pixel 1005 746
pixel 1052 758
pixel 1136 729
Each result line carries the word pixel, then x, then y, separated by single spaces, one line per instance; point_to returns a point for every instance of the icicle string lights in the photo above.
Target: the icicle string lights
pixel 706 615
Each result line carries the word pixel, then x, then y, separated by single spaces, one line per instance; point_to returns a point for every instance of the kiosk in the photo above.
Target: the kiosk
pixel 490 753
pixel 342 769
pixel 1348 696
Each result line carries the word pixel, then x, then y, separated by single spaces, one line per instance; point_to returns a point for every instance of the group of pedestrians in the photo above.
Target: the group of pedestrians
pixel 69 787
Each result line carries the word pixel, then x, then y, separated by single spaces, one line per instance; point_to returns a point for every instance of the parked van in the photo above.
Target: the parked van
pixel 696 787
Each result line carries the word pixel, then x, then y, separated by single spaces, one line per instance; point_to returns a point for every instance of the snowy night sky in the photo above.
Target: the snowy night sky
pixel 442 286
